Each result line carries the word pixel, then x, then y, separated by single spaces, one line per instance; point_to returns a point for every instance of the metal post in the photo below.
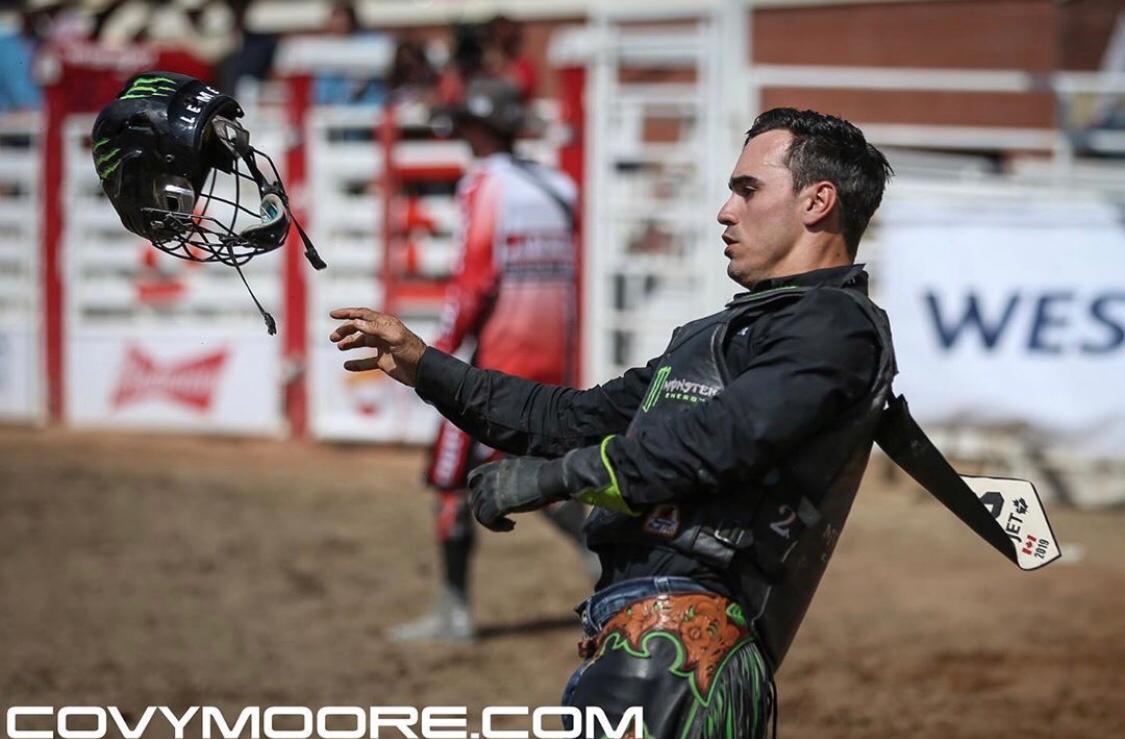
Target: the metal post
pixel 295 328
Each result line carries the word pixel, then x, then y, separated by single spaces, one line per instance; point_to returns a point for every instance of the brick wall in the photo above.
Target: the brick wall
pixel 1030 35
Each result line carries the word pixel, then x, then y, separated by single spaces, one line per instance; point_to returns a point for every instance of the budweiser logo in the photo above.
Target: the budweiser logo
pixel 189 382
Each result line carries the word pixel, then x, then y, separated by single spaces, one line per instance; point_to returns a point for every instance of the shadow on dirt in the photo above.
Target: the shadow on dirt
pixel 534 626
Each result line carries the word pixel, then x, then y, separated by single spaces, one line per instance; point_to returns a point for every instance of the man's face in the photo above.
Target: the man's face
pixel 762 214
pixel 480 138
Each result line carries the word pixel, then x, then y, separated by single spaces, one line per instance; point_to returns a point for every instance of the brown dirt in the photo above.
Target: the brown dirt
pixel 144 570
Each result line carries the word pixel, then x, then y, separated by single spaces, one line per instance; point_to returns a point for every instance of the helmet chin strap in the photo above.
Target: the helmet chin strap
pixel 271 325
pixel 276 216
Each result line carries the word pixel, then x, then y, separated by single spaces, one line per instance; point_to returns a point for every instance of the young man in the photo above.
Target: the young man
pixel 514 295
pixel 723 471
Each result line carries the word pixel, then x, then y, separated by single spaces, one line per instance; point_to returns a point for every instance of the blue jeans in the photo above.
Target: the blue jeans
pixel 600 607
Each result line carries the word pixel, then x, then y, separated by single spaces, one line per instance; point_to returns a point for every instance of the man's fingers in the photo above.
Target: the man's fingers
pixel 362 365
pixel 351 342
pixel 343 330
pixel 357 325
pixel 363 313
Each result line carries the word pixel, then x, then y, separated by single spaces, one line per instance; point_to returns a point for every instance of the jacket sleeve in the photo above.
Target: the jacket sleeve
pixel 523 417
pixel 809 362
pixel 472 289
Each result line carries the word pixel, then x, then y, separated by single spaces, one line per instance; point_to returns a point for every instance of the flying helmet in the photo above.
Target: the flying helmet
pixel 158 148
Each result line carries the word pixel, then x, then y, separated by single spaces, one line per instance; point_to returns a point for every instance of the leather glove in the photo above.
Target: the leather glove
pixel 519 484
pixel 512 485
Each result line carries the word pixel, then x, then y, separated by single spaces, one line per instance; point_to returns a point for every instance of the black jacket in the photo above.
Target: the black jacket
pixel 796 369
pixel 793 370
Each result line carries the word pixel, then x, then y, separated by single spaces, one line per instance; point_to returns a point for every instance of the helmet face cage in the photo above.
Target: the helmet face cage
pixel 208 226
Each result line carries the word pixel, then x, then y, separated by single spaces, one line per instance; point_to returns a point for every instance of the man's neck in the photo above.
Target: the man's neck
pixel 821 253
pixel 483 150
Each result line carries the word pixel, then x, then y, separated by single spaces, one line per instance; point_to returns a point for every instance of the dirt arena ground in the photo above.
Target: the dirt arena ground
pixel 144 570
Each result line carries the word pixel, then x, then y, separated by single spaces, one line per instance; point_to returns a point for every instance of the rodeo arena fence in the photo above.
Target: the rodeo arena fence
pixel 1005 287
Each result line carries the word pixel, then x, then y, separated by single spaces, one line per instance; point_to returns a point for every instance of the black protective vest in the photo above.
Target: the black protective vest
pixel 771 542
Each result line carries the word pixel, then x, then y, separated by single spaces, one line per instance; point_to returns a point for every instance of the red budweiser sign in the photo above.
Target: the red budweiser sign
pixel 190 382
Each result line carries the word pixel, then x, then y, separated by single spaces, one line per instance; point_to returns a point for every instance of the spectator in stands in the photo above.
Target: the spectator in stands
pixel 412 78
pixel 188 36
pixel 335 88
pixel 503 56
pixel 200 29
pixel 119 21
pixel 244 70
pixel 18 90
pixel 465 62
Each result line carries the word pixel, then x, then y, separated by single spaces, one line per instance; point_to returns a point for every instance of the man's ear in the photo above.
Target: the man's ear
pixel 819 202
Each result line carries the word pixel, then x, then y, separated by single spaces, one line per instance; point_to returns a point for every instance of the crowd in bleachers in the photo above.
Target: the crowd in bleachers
pixel 218 41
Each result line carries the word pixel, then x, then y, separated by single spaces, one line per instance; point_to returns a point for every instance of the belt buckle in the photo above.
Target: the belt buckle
pixel 733 536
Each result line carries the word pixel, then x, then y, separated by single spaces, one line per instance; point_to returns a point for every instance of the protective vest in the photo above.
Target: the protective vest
pixel 773 540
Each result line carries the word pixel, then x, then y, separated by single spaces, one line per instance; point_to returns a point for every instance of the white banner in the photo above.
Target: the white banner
pixel 183 381
pixel 21 373
pixel 1009 312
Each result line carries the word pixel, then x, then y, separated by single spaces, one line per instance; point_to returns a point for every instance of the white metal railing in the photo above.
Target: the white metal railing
pixel 650 203
pixel 21 299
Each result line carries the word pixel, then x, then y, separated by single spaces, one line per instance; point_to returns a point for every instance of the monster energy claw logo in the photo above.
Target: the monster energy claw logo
pixel 677 389
pixel 149 86
pixel 655 388
pixel 105 160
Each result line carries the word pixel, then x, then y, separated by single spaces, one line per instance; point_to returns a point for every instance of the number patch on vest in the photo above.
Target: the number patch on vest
pixel 781 526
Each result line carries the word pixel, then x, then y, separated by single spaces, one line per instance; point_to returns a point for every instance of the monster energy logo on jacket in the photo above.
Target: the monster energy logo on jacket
pixel 673 388
pixel 774 541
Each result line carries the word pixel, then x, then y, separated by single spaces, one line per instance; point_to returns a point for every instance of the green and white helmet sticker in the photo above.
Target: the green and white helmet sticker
pixel 149 86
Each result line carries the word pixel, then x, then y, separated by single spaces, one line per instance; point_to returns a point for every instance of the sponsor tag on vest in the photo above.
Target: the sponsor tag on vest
pixel 1016 507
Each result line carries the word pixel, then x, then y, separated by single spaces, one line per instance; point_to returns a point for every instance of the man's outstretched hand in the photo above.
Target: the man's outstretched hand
pixel 399 348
